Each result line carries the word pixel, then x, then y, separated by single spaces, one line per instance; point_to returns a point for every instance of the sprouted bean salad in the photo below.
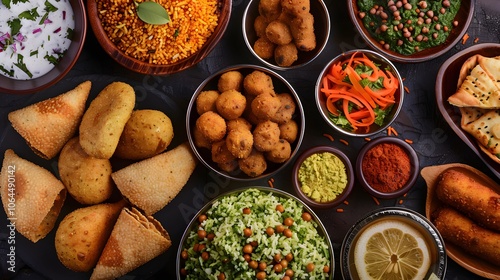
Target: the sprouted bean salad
pixel 255 234
pixel 34 35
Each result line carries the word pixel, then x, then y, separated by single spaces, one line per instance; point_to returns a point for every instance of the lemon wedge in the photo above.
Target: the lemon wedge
pixel 391 250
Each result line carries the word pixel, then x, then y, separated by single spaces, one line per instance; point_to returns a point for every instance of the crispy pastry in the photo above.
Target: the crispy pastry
pixel 49 124
pixel 464 233
pixel 486 130
pixel 152 183
pixel 479 202
pixel 135 240
pixel 481 87
pixel 104 121
pixel 31 195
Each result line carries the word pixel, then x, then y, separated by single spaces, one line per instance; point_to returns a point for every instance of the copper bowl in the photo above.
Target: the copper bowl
pixel 414 167
pixel 158 69
pixel 464 17
pixel 12 86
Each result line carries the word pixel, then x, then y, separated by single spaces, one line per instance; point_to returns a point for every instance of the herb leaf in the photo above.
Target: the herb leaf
pixel 29 14
pixel 21 65
pixel 49 7
pixel 15 26
pixel 152 13
pixel 6 3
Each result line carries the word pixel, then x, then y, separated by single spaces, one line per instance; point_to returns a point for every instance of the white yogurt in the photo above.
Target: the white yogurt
pixel 42 34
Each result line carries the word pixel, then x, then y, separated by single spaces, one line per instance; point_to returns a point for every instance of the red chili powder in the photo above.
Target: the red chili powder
pixel 386 167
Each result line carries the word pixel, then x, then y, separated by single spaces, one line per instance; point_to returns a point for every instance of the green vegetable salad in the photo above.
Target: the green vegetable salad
pixel 255 234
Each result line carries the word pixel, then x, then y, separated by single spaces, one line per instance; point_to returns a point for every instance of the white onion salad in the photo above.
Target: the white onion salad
pixel 34 35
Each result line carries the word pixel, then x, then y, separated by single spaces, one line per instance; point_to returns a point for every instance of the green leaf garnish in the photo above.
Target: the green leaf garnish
pixel 21 65
pixel 15 26
pixel 49 7
pixel 29 14
pixel 6 3
pixel 152 13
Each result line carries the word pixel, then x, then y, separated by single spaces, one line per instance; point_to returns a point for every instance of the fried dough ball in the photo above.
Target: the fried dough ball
pixel 206 101
pixel 239 142
pixel 238 123
pixel 253 165
pixel 212 126
pixel 220 153
pixel 285 17
pixel 280 153
pixel 200 140
pixel 286 109
pixel 260 23
pixel 289 131
pixel 264 48
pixel 296 7
pixel 269 9
pixel 265 106
pixel 286 55
pixel 278 32
pixel 302 28
pixel 230 80
pixel 229 166
pixel 231 104
pixel 266 135
pixel 258 82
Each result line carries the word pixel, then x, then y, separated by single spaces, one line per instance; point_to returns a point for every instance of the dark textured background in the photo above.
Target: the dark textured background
pixel 419 121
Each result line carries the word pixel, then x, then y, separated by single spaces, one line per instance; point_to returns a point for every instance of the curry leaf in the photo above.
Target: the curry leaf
pixel 152 13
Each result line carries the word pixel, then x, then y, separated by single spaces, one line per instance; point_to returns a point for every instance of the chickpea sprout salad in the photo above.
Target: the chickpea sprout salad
pixel 255 234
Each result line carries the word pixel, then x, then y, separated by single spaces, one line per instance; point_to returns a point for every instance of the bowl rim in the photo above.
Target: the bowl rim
pixel 300 111
pixel 349 170
pixel 158 69
pixel 320 105
pixel 274 191
pixel 396 57
pixel 414 162
pixel 78 37
pixel 293 66
pixel 392 211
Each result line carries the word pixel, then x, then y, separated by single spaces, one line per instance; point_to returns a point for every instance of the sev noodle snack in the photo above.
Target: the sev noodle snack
pixel 191 24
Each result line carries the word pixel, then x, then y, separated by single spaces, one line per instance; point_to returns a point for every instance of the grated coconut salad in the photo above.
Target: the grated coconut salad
pixel 255 235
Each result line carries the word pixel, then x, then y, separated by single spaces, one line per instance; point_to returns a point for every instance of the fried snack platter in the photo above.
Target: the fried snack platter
pixel 42 255
pixel 432 175
pixel 446 85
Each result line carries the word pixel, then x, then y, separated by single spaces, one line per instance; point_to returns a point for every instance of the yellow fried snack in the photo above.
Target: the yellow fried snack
pixel 37 194
pixel 152 183
pixel 82 234
pixel 466 234
pixel 478 201
pixel 49 124
pixel 87 179
pixel 103 122
pixel 134 240
pixel 302 28
pixel 146 134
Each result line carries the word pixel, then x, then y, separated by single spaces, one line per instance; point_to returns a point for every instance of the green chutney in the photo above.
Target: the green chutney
pixel 322 177
pixel 409 26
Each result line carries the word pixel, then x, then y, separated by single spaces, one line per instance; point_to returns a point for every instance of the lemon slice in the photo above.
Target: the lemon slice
pixel 391 250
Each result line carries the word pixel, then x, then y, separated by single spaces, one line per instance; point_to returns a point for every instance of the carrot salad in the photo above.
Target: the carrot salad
pixel 358 92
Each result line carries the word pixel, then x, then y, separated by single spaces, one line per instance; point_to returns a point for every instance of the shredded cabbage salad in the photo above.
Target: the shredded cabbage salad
pixel 218 247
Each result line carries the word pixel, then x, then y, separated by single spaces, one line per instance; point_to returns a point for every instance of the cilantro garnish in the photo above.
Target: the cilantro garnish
pixel 21 65
pixel 29 14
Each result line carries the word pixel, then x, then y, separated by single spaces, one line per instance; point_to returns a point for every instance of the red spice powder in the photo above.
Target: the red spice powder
pixel 386 167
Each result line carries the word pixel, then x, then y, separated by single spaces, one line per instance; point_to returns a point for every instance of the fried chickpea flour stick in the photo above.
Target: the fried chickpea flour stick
pixel 463 232
pixel 481 203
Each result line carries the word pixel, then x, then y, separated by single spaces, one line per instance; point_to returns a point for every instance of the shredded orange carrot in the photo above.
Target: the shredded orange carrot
pixel 367 139
pixel 476 40
pixel 328 136
pixel 343 141
pixel 465 38
pixel 376 200
pixel 391 131
pixel 346 202
pixel 407 89
pixel 270 182
pixel 347 92
pixel 400 201
pixel 404 195
pixel 408 141
pixel 340 210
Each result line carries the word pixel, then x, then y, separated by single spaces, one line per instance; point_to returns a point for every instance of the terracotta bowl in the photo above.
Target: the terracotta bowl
pixel 374 128
pixel 158 69
pixel 414 167
pixel 464 17
pixel 321 30
pixel 298 186
pixel 204 154
pixel 13 86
